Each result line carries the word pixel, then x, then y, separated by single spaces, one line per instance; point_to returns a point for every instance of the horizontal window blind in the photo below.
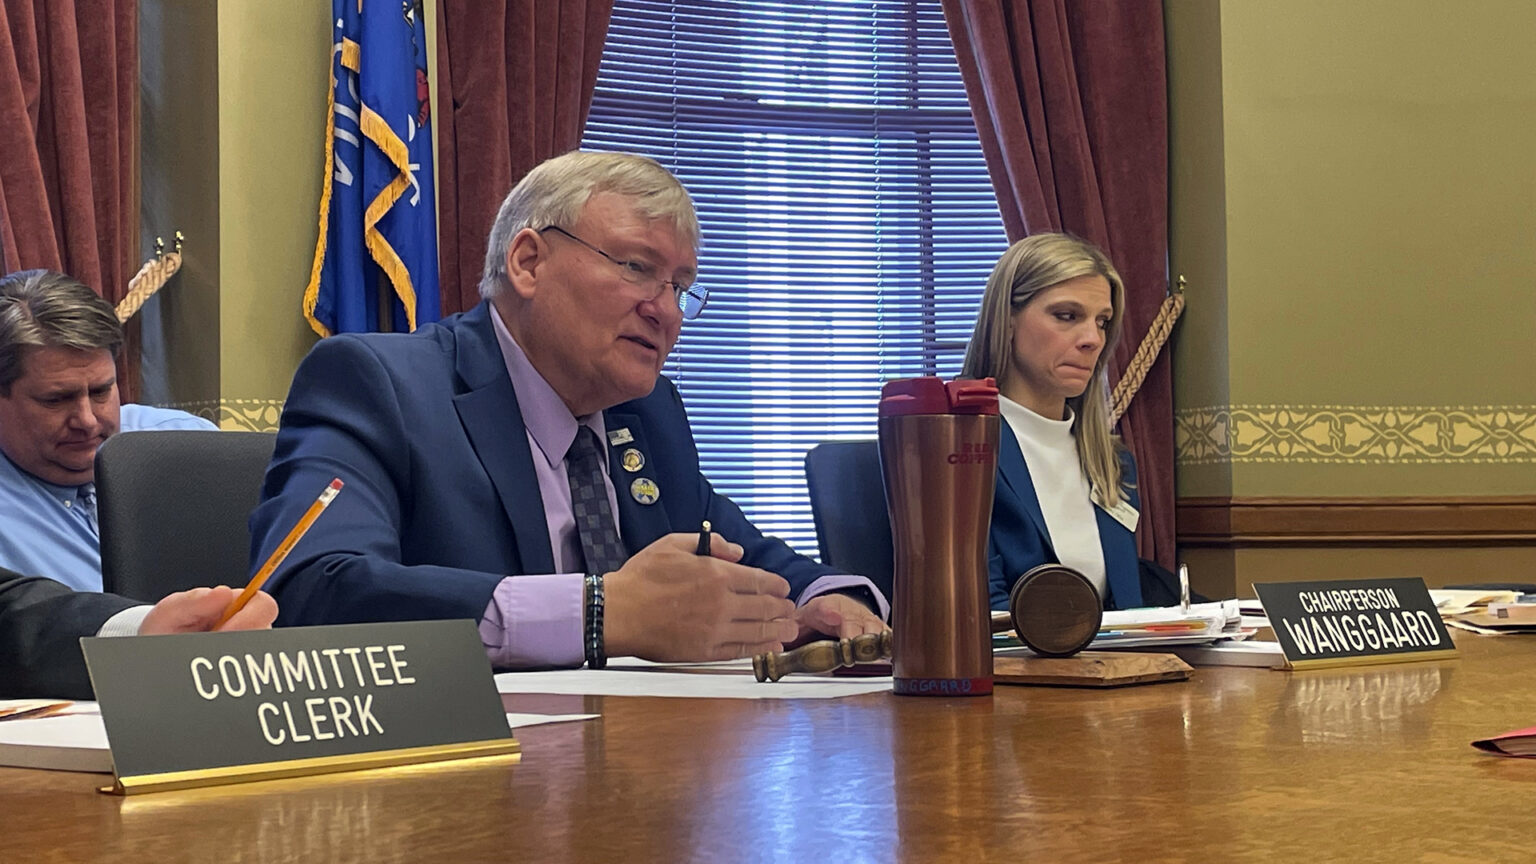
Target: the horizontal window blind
pixel 848 222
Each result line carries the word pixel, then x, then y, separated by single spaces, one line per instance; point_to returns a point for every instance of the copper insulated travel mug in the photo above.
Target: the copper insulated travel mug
pixel 938 455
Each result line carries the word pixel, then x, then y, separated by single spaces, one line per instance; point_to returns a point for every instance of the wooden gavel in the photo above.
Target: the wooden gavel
pixel 823 656
pixel 829 654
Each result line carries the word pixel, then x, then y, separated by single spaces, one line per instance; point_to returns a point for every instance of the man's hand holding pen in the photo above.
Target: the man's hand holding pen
pixel 668 603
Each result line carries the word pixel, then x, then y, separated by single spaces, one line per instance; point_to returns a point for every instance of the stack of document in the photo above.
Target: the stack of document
pixel 1489 612
pixel 1171 625
pixel 1459 601
pixel 1209 634
pixel 66 736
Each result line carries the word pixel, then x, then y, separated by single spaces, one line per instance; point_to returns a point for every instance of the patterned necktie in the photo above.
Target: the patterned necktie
pixel 85 499
pixel 600 544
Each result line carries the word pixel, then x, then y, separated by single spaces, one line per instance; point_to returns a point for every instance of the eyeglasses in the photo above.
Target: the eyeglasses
pixel 644 275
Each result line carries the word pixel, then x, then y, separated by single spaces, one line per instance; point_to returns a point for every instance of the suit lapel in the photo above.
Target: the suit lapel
pixel 488 410
pixel 1015 475
pixel 639 524
pixel 1120 567
pixel 1122 574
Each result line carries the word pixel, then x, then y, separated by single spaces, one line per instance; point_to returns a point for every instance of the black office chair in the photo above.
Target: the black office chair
pixel 172 507
pixel 853 528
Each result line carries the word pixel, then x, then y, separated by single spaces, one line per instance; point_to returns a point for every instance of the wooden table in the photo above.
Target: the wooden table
pixel 1368 764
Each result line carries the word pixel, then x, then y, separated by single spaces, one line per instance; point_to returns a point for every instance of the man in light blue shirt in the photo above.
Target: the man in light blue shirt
pixel 58 403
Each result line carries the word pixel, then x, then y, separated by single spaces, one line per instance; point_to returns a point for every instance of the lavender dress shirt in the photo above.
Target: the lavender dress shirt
pixel 536 620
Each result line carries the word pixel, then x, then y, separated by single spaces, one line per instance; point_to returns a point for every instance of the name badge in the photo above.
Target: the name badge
pixel 202 709
pixel 1355 622
pixel 1125 514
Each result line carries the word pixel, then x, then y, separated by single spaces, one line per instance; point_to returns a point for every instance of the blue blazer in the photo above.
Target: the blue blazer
pixel 1019 540
pixel 441 500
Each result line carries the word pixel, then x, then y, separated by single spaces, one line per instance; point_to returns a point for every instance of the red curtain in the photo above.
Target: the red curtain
pixel 1070 100
pixel 69 85
pixel 514 83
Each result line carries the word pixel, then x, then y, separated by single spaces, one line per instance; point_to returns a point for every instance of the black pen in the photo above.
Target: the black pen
pixel 704 530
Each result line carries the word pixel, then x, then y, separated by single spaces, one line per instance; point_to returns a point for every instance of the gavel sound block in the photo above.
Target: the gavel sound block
pixel 1054 610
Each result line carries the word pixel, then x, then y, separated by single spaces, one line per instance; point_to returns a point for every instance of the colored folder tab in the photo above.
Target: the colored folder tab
pixel 1521 742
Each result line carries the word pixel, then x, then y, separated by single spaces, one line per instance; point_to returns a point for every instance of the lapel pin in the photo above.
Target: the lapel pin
pixel 644 490
pixel 620 436
pixel 632 460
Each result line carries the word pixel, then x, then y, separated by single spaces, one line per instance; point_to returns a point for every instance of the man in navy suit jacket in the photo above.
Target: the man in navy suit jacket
pixel 41 622
pixel 457 444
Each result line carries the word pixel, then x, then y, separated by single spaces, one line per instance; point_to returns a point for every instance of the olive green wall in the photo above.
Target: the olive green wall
pixel 273 75
pixel 1198 222
pixel 1354 202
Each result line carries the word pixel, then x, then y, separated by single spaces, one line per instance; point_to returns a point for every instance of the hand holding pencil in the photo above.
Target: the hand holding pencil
pixel 282 550
pixel 198 610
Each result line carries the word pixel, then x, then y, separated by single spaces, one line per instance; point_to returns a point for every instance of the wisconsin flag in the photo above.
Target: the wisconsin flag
pixel 377 217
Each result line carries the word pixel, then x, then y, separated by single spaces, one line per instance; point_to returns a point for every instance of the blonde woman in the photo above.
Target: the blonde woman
pixel 1066 490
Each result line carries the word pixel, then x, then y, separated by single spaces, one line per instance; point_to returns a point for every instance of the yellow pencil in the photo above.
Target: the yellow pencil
pixel 281 551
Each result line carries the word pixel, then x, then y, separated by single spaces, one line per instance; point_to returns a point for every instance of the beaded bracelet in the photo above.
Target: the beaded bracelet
pixel 592 636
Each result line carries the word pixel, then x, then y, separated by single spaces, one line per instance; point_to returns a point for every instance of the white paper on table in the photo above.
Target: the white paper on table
pixel 741 664
pixel 518 721
pixel 76 740
pixel 642 679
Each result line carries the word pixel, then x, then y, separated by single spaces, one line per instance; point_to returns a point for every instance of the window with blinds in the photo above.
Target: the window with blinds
pixel 848 222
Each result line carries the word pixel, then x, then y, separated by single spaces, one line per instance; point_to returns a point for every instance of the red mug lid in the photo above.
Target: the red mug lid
pixel 930 395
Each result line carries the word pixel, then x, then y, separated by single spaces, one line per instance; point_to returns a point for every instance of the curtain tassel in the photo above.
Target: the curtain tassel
pixel 151 277
pixel 1146 353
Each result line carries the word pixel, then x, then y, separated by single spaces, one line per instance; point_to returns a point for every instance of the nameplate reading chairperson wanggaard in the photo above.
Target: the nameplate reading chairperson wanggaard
pixel 201 709
pixel 1355 622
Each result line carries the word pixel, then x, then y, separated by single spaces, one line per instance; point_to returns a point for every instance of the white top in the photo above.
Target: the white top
pixel 1065 497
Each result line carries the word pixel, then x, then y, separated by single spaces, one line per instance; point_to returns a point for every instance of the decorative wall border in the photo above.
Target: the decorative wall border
pixel 245 415
pixel 1384 434
pixel 1259 521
